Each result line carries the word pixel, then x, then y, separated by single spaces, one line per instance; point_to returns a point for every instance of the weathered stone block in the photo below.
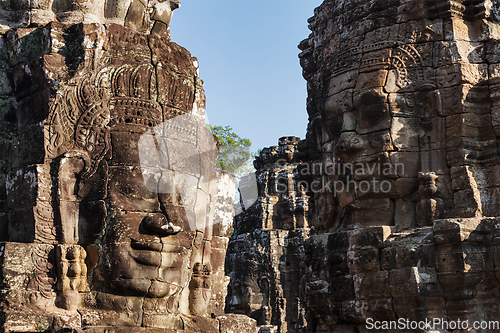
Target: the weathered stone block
pixel 32 223
pixel 117 329
pixel 338 241
pixel 338 104
pixel 369 237
pixel 492 51
pixel 4 227
pixel 342 82
pixel 4 59
pixel 448 53
pixel 420 31
pixel 23 321
pixel 108 318
pixel 381 38
pixel 465 99
pixel 451 259
pixel 27 148
pixel 380 308
pixel 131 157
pixel 462 178
pixel 469 125
pixel 404 212
pixel 477 31
pixel 456 231
pixel 27 185
pixel 466 203
pixel 414 282
pixel 371 80
pixel 383 209
pixel 411 11
pixel 411 252
pixel 180 91
pixel 27 267
pixel 342 289
pixel 360 311
pixel 233 323
pixel 420 307
pixel 26 44
pixel 361 261
pixel 376 60
pixel 173 57
pixel 337 263
pixel 372 285
pixel 490 201
pixel 456 74
pixel 5 85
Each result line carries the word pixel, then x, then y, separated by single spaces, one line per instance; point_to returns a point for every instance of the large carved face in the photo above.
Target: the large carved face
pixel 160 182
pixel 381 116
pixel 136 137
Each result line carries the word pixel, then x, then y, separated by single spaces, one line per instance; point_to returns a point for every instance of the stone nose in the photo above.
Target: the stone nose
pixel 158 224
pixel 342 146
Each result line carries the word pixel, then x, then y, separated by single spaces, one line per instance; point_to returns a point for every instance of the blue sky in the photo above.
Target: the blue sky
pixel 248 56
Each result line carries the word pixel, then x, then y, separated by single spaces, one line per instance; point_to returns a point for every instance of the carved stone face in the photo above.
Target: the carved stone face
pixel 381 116
pixel 139 144
pixel 160 183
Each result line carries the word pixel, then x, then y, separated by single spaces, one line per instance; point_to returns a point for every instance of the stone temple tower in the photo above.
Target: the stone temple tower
pixel 400 173
pixel 113 217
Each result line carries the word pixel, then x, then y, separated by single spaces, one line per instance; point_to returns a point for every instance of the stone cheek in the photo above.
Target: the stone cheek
pixel 111 185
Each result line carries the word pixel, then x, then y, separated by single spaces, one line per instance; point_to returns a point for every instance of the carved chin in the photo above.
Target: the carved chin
pixel 145 287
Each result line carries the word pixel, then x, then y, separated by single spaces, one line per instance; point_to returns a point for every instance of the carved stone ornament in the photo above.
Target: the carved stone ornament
pixel 397 180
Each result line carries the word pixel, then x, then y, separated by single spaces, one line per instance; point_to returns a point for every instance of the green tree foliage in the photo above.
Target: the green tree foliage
pixel 234 156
